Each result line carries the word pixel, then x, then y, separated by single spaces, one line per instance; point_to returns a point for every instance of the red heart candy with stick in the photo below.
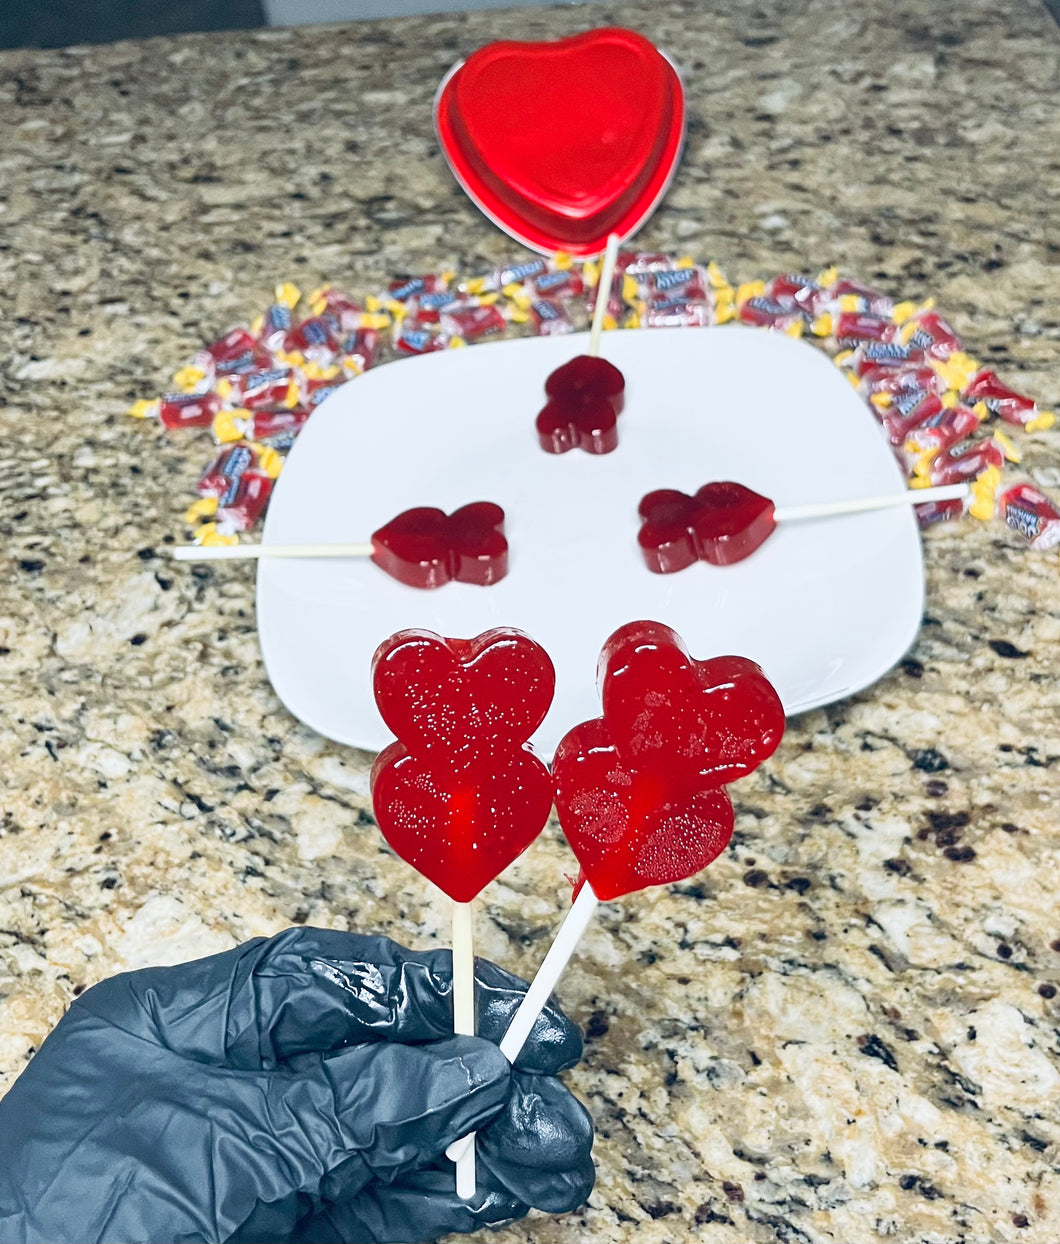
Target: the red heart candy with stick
pixel 585 396
pixel 638 790
pixel 724 522
pixel 461 793
pixel 669 714
pixel 425 547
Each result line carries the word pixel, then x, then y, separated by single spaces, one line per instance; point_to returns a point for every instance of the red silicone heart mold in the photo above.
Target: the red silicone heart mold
pixel 563 143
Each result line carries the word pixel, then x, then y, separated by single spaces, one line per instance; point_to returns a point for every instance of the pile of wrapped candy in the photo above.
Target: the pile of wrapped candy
pixel 255 387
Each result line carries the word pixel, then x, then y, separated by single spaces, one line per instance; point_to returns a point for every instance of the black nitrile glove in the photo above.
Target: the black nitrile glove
pixel 300 1088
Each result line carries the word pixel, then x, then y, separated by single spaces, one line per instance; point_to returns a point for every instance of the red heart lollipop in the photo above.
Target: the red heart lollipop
pixel 563 143
pixel 672 715
pixel 425 547
pixel 461 793
pixel 723 523
pixel 585 397
pixel 637 791
pixel 630 830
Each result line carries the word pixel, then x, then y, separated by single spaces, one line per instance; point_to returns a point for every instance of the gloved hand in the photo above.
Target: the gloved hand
pixel 299 1088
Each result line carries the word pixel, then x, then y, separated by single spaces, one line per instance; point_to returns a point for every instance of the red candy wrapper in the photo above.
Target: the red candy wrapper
pixel 800 291
pixel 222 476
pixel 275 428
pixel 473 323
pixel 873 357
pixel 678 312
pixel 929 332
pixel 338 308
pixel 549 318
pixel 766 312
pixel 276 323
pixel 564 283
pixel 315 338
pixel 427 308
pixel 908 412
pixel 247 503
pixel 414 286
pixel 886 380
pixel 961 462
pixel 1000 400
pixel 361 349
pixel 1031 513
pixel 259 390
pixel 946 428
pixel 850 294
pixel 415 339
pixel 188 410
pixel 850 328
pixel 938 512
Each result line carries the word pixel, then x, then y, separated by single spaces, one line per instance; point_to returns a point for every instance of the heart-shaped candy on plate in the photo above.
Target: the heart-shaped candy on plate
pixel 425 547
pixel 585 397
pixel 723 523
pixel 461 793
pixel 564 142
pixel 638 791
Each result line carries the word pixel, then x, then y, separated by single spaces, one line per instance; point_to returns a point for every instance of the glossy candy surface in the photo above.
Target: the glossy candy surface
pixel 722 523
pixel 562 143
pixel 425 547
pixel 638 790
pixel 461 793
pixel 585 396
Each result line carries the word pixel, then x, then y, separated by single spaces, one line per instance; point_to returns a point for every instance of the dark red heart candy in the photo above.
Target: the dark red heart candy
pixel 723 523
pixel 585 397
pixel 425 547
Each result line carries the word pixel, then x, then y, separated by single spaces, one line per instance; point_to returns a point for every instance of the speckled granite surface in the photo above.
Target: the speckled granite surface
pixel 848 1028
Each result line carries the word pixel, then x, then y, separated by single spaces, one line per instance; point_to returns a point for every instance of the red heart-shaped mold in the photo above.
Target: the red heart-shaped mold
pixel 723 523
pixel 461 793
pixel 564 142
pixel 425 547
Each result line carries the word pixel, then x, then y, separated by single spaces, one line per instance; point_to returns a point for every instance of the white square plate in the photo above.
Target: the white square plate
pixel 825 607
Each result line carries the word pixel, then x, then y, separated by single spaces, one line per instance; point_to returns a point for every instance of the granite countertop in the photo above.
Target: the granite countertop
pixel 848 1028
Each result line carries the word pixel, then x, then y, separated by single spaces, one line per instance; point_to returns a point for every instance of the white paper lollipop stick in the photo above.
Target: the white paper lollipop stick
pixel 464 1022
pixel 541 987
pixel 911 496
pixel 243 552
pixel 603 293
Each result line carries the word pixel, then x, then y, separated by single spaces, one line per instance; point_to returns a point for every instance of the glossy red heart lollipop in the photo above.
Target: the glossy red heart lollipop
pixel 565 142
pixel 585 397
pixel 425 547
pixel 724 522
pixel 638 790
pixel 461 793
pixel 673 715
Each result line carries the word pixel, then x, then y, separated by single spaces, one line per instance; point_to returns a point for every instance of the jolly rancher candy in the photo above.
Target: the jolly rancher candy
pixel 987 391
pixel 1032 514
